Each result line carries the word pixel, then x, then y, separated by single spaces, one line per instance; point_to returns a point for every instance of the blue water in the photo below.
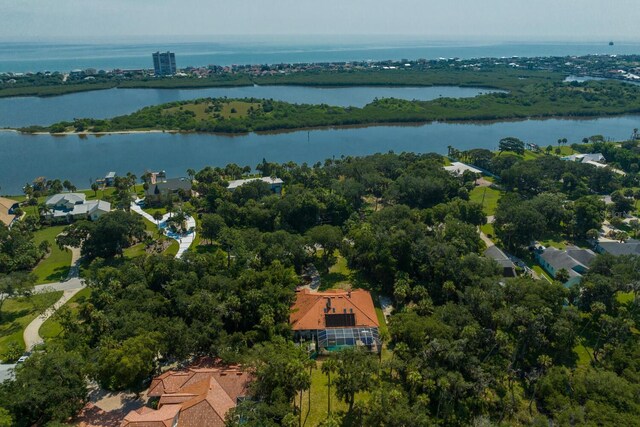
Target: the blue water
pixel 41 56
pixel 24 157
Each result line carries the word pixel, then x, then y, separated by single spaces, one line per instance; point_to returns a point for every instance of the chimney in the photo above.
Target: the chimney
pixel 348 294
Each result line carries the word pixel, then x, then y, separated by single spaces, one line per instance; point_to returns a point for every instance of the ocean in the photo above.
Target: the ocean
pixel 21 57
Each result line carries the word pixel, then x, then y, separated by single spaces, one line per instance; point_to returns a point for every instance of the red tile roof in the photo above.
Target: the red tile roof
pixel 203 396
pixel 310 308
pixel 147 417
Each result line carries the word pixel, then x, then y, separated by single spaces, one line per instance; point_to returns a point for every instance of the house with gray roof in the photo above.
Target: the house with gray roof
pixel 586 158
pixel 274 183
pixel 496 254
pixel 165 187
pixel 630 247
pixel 67 207
pixel 574 260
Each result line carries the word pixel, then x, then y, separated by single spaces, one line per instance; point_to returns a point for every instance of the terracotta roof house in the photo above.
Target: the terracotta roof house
pixel 335 319
pixel 193 398
pixel 274 183
pixel 6 210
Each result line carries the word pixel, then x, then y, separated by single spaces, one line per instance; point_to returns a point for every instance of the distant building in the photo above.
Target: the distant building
pixel 66 207
pixel 574 260
pixel 274 183
pixel 335 319
pixel 164 64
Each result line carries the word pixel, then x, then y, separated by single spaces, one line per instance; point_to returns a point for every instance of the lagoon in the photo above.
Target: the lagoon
pixel 102 104
pixel 24 157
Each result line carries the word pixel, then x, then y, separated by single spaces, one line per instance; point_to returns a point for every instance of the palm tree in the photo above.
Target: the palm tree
pixel 33 202
pixel 157 216
pixel 328 367
pixel 95 187
pixel 191 173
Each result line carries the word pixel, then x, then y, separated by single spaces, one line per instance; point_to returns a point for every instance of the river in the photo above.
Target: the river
pixel 24 157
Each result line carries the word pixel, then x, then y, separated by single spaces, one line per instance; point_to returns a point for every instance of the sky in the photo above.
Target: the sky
pixel 515 20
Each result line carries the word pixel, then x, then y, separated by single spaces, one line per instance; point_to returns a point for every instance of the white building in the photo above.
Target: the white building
pixel 274 183
pixel 458 168
pixel 66 207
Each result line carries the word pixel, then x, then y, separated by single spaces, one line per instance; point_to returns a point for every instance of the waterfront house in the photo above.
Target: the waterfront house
pixel 110 179
pixel 574 260
pixel 196 397
pixel 458 169
pixel 162 188
pixel 586 158
pixel 7 207
pixel 274 183
pixel 335 319
pixel 67 207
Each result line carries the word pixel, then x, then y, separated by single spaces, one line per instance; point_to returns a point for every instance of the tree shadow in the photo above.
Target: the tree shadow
pixel 12 329
pixel 58 274
pixel 332 280
pixel 11 317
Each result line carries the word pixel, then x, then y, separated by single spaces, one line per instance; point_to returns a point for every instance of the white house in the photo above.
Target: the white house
pixel 274 183
pixel 458 168
pixel 72 206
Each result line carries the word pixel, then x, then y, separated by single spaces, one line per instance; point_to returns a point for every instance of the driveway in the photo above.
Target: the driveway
pixel 184 241
pixel 71 286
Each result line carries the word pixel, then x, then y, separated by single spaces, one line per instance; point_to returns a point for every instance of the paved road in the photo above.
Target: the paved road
pixel 184 241
pixel 71 286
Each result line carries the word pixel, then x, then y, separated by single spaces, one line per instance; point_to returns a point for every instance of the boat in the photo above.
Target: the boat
pixel 610 43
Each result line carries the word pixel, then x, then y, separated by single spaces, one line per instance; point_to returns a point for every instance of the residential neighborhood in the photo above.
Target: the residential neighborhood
pixel 320 272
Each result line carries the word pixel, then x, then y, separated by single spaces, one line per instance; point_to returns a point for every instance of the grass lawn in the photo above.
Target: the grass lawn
pixel 338 276
pixel 233 109
pixel 51 328
pixel 489 231
pixel 565 150
pixel 140 249
pixel 55 267
pixel 135 251
pixel 17 313
pixel 554 242
pixel 486 196
pixel 314 414
pixel 540 271
pixel 172 250
pixel 584 358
